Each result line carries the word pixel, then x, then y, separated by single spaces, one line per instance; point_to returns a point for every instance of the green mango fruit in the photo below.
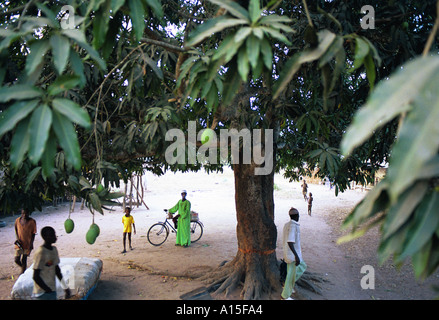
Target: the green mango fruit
pixel 91 235
pixel 69 225
pixel 207 136
pixel 99 188
pixel 98 230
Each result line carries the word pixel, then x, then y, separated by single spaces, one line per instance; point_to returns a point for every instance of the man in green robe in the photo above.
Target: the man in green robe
pixel 183 207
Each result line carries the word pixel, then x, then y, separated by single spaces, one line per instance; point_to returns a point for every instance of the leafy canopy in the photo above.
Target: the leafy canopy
pixel 92 104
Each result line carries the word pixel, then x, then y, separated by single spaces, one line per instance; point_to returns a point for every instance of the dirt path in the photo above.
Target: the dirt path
pixel 167 272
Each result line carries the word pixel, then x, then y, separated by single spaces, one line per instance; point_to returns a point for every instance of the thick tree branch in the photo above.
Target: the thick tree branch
pixel 166 45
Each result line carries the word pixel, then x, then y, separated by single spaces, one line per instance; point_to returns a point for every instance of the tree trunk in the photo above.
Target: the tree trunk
pixel 255 264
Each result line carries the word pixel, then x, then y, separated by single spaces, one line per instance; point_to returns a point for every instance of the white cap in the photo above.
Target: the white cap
pixel 183 191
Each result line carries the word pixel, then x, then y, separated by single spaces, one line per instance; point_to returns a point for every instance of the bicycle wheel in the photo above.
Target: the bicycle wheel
pixel 196 231
pixel 157 234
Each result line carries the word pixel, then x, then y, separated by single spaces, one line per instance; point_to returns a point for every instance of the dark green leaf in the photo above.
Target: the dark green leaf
pixel 15 113
pixel 426 221
pixel 274 33
pixel 293 65
pixel 9 38
pixel 392 245
pixel 115 195
pixel 77 66
pixel 75 34
pixel 332 51
pixel 267 53
pixel 280 26
pixel 430 169
pixel 243 64
pixel 420 260
pixel 370 205
pixel 227 49
pixel 100 24
pixel 116 5
pixel 242 34
pixel 433 259
pixel 322 159
pixel 389 99
pixel 233 8
pixel 67 138
pixel 210 27
pixel 84 183
pixel 38 50
pixel 400 212
pixel 254 10
pixel 253 46
pixel 39 127
pixel 48 157
pixel 418 140
pixel 274 18
pixel 154 67
pixel 370 70
pixel 19 92
pixel 373 51
pixel 232 84
pixel 205 89
pixel 258 33
pixel 156 6
pixel 95 202
pixel 20 143
pixel 31 177
pixel 212 98
pixel 359 232
pixel 94 55
pixel 63 83
pixel 51 16
pixel 361 51
pixel 137 15
pixel 314 153
pixel 72 111
pixel 60 49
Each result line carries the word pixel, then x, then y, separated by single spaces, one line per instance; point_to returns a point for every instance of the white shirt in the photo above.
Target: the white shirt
pixel 291 233
pixel 46 261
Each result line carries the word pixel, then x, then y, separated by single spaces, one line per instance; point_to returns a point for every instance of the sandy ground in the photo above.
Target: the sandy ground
pixel 167 272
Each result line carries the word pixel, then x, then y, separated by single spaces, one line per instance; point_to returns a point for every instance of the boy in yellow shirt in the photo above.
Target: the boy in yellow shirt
pixel 127 221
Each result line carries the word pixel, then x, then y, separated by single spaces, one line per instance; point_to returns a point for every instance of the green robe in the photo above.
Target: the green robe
pixel 184 222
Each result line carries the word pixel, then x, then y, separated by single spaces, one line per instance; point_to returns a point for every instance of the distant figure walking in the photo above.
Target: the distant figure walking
pixel 310 199
pixel 304 190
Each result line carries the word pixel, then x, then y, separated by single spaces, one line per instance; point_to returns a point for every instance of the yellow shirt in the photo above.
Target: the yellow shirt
pixel 127 222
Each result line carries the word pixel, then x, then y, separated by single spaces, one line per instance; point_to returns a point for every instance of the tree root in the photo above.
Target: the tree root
pixel 255 279
pixel 307 282
pixel 255 274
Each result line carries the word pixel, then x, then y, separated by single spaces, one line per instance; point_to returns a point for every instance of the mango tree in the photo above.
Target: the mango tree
pixel 89 91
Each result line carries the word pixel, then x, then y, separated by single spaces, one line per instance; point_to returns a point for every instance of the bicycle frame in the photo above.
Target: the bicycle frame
pixel 196 228
pixel 168 224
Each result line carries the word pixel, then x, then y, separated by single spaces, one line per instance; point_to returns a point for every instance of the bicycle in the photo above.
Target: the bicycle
pixel 158 233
